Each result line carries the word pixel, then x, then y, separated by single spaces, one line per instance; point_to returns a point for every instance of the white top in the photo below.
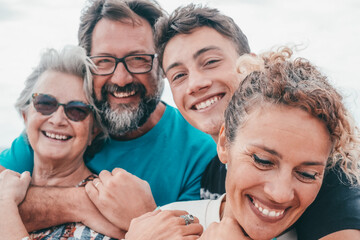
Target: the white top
pixel 208 211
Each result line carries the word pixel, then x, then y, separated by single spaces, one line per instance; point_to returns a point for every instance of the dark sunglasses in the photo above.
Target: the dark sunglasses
pixel 74 110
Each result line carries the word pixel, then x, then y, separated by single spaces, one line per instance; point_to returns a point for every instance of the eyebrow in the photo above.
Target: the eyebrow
pixel 114 55
pixel 195 55
pixel 203 50
pixel 269 150
pixel 275 153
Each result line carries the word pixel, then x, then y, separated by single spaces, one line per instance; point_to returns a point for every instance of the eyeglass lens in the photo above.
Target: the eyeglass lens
pixel 74 110
pixel 133 63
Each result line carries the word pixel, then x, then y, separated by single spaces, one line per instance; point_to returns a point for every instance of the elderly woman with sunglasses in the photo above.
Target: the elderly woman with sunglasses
pixel 60 124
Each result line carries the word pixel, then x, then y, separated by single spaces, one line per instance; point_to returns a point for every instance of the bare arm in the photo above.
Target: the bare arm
pixel 347 234
pixel 13 188
pixel 11 227
pixel 50 206
pixel 45 207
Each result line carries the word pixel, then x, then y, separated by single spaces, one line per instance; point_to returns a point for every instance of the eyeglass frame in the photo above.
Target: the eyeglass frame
pixel 122 60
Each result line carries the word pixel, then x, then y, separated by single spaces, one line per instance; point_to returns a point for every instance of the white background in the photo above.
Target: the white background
pixel 327 30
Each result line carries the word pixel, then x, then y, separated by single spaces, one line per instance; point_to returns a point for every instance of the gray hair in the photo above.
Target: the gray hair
pixel 115 10
pixel 185 19
pixel 71 60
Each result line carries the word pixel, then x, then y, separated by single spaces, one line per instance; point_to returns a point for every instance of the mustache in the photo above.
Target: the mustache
pixel 128 88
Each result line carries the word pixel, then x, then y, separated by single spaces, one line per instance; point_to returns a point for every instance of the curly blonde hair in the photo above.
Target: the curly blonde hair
pixel 275 78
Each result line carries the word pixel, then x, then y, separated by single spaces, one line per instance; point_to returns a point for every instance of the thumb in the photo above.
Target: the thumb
pixel 25 176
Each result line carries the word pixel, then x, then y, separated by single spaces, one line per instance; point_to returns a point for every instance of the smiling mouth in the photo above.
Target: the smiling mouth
pixel 124 94
pixel 267 212
pixel 208 102
pixel 57 136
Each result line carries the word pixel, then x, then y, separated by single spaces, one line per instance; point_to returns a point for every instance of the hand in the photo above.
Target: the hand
pixel 163 225
pixel 13 186
pixel 93 218
pixel 227 229
pixel 120 196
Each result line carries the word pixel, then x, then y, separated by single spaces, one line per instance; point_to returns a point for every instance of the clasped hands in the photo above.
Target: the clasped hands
pixel 123 198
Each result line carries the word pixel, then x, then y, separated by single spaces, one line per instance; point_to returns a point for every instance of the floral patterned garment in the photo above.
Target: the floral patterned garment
pixel 70 231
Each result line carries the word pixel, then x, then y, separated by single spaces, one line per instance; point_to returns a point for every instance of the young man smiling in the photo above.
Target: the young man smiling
pixel 202 78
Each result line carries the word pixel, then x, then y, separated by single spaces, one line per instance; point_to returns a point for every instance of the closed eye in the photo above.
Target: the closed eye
pixel 211 62
pixel 262 163
pixel 307 177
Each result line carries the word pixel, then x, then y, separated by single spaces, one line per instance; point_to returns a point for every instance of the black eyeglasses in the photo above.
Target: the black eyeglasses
pixel 135 63
pixel 74 110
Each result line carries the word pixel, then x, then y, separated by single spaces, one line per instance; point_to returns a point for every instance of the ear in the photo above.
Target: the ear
pixel 222 146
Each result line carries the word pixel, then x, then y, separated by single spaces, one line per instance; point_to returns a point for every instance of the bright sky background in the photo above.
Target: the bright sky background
pixel 328 31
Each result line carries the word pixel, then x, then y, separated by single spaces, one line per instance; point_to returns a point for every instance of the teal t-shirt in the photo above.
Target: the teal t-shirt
pixel 171 157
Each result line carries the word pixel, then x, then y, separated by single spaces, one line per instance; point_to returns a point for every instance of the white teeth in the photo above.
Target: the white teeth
pixel 207 103
pixel 124 94
pixel 272 214
pixel 267 212
pixel 56 136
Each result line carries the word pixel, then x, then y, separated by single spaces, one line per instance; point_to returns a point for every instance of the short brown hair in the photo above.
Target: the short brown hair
pixel 185 19
pixel 116 10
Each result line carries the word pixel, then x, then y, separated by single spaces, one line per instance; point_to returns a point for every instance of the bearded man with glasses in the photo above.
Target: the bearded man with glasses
pixel 149 140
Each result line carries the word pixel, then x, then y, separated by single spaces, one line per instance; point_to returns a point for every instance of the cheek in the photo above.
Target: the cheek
pixel 233 83
pixel 178 98
pixel 307 194
pixel 239 177
pixel 149 81
pixel 84 132
pixel 99 82
pixel 33 126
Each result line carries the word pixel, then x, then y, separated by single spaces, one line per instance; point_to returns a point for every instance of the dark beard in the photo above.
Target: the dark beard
pixel 126 117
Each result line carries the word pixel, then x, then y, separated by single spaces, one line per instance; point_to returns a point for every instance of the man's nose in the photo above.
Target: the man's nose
pixel 121 75
pixel 197 82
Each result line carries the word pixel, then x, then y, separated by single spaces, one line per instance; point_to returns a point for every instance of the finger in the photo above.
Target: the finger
pixel 10 172
pixel 191 237
pixel 92 192
pixel 149 214
pixel 177 213
pixel 104 176
pixel 190 219
pixel 193 229
pixel 97 183
pixel 25 177
pixel 118 171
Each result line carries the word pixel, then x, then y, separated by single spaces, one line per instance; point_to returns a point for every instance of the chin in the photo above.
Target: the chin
pixel 262 233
